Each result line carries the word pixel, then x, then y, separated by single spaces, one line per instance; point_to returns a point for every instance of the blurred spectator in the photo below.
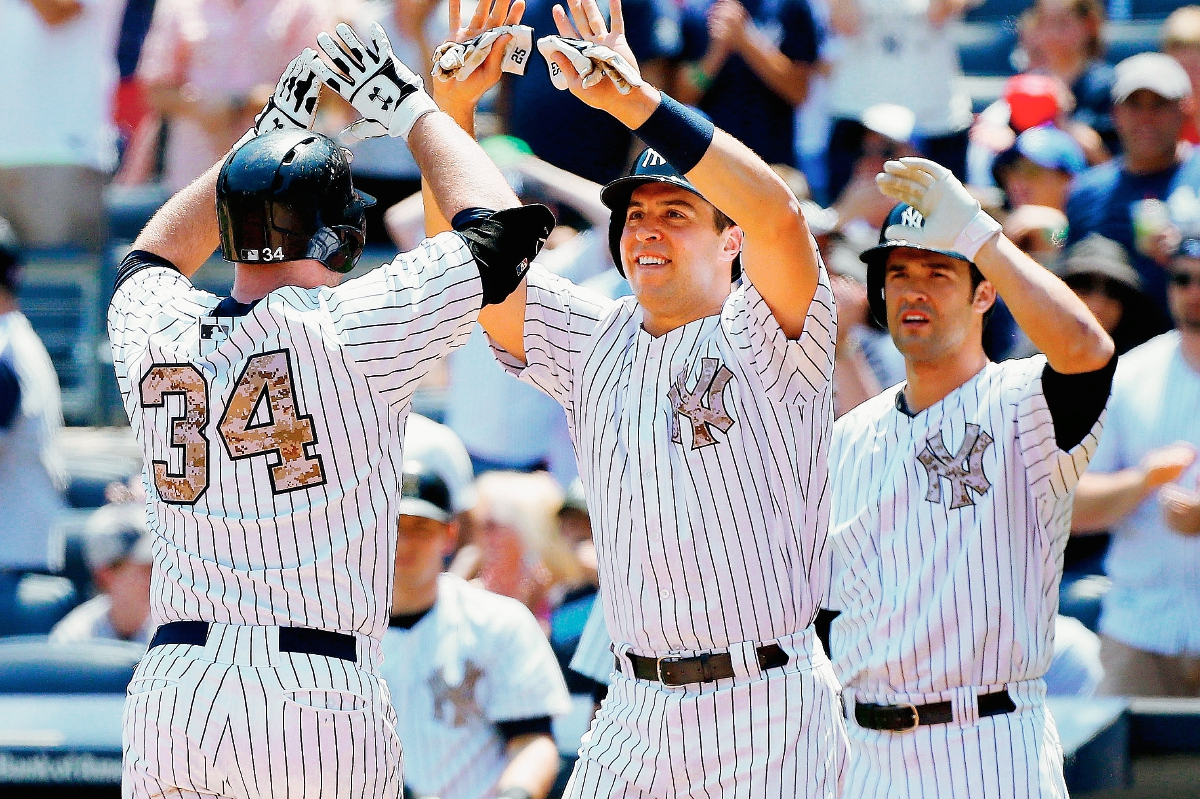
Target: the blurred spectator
pixel 902 52
pixel 747 66
pixel 472 677
pixel 521 552
pixel 853 380
pixel 1038 168
pixel 1122 199
pixel 57 140
pixel 887 133
pixel 1098 270
pixel 1142 485
pixel 1039 231
pixel 118 553
pixel 564 131
pixel 383 166
pixel 131 106
pixel 210 65
pixel 1064 39
pixel 1181 41
pixel 31 477
pixel 437 447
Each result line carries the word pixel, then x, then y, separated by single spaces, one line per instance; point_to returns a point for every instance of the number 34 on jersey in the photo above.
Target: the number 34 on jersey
pixel 261 418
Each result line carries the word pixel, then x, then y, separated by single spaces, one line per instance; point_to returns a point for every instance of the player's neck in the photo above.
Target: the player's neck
pixel 929 382
pixel 660 320
pixel 412 598
pixel 253 281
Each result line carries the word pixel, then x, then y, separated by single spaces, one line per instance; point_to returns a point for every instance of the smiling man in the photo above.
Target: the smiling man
pixel 952 501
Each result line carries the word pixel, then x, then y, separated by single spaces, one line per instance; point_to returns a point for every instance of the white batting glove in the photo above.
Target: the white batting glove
pixel 593 62
pixel 457 60
pixel 389 95
pixel 294 103
pixel 954 219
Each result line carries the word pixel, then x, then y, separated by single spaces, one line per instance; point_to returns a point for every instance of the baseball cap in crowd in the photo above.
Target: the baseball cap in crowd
pixel 424 493
pixel 116 533
pixel 574 498
pixel 1032 100
pixel 439 448
pixel 896 122
pixel 1096 255
pixel 1046 146
pixel 1155 72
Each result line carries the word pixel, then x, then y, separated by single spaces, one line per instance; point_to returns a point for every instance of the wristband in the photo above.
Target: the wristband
pixel 702 79
pixel 978 232
pixel 679 134
pixel 411 108
pixel 515 792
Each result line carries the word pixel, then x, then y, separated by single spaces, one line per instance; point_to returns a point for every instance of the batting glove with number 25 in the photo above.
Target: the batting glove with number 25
pixel 390 96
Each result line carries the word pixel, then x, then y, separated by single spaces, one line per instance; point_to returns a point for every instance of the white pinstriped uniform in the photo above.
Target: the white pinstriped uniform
pixel 271 441
pixel 948 530
pixel 702 454
pixel 476 659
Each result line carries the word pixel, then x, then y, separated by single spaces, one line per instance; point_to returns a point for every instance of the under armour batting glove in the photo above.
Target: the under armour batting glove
pixel 954 219
pixel 390 97
pixel 294 103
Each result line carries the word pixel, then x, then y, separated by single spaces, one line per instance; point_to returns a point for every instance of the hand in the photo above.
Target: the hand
pixel 460 95
pixel 216 116
pixel 1165 464
pixel 954 219
pixel 727 23
pixel 1181 509
pixel 390 97
pixel 587 23
pixel 293 105
pixel 411 15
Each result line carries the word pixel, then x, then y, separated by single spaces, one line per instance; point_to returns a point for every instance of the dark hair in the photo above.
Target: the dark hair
pixel 1092 11
pixel 722 221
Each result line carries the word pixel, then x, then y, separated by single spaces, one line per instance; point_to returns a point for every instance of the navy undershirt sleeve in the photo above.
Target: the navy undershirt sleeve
pixel 1076 401
pixel 518 727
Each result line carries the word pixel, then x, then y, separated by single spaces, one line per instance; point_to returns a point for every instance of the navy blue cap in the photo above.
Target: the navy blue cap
pixel 424 493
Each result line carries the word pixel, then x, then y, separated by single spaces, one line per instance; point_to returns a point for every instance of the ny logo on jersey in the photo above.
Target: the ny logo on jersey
pixel 964 469
pixel 385 102
pixel 455 704
pixel 704 406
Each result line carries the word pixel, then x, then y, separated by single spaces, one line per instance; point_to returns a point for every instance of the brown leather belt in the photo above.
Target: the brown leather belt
pixel 708 667
pixel 901 718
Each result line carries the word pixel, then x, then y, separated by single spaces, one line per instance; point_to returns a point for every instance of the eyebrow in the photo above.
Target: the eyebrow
pixel 677 202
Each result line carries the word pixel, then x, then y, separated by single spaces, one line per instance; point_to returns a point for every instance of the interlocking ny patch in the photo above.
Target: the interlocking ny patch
pixel 713 377
pixel 964 469
pixel 455 704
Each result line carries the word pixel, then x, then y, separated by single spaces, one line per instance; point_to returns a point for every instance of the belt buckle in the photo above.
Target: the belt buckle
pixel 916 717
pixel 658 669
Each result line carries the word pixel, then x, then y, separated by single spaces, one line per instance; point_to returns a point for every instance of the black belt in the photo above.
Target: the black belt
pixel 303 640
pixel 900 718
pixel 701 668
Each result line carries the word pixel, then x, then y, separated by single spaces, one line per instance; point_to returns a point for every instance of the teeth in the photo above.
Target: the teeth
pixel 650 259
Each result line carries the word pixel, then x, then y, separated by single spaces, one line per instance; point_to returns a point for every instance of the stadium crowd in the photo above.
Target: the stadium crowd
pixel 1089 162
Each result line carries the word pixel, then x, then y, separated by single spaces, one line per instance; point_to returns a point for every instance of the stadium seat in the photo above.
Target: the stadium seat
pixel 41 600
pixel 985 48
pixel 998 9
pixel 1153 9
pixel 1130 38
pixel 33 665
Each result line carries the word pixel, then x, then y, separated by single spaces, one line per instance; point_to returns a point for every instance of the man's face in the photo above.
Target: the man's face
pixel 671 249
pixel 1028 183
pixel 1148 125
pixel 1102 297
pixel 931 309
pixel 1183 293
pixel 127 584
pixel 421 546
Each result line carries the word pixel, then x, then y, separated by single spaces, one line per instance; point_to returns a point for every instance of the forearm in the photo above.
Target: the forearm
pixel 1053 316
pixel 1102 500
pixel 184 231
pixel 695 77
pixel 787 78
pixel 457 171
pixel 845 17
pixel 171 101
pixel 533 765
pixel 56 12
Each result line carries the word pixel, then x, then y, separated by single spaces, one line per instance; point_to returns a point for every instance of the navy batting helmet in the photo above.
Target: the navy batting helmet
pixel 650 167
pixel 287 196
pixel 903 216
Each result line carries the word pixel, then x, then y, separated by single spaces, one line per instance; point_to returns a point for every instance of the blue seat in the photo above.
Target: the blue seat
pixel 985 48
pixel 33 603
pixel 1153 9
pixel 33 665
pixel 1130 38
pixel 998 9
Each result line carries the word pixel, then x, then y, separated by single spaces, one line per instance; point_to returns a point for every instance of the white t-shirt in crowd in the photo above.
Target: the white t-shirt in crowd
pixel 56 106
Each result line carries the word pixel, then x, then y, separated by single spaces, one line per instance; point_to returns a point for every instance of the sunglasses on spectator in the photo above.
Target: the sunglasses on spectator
pixel 1182 280
pixel 1095 284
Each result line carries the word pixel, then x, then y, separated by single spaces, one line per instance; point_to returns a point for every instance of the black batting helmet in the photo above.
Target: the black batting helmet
pixel 287 196
pixel 903 216
pixel 650 167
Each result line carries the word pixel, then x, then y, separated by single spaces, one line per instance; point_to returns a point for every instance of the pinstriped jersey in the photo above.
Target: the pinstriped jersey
pixel 270 439
pixel 948 530
pixel 475 660
pixel 702 453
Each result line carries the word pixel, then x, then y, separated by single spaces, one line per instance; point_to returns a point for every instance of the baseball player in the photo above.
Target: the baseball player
pixel 270 422
pixel 952 501
pixel 473 679
pixel 700 415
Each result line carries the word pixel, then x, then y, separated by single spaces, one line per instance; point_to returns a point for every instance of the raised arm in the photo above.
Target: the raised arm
pixel 778 255
pixel 1053 316
pixel 184 231
pixel 1104 499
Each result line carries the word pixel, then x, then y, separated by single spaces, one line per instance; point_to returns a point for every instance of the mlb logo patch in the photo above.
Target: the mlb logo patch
pixel 249 255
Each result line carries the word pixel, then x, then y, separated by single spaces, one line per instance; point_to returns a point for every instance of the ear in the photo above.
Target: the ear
pixel 734 237
pixel 450 542
pixel 103 578
pixel 985 297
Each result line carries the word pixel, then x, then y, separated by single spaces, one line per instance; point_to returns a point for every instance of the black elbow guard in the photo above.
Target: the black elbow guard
pixel 504 243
